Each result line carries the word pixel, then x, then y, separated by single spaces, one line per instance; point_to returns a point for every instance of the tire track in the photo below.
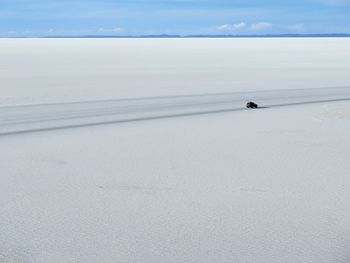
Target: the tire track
pixel 44 117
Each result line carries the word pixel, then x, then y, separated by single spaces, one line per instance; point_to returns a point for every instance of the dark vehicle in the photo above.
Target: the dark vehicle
pixel 252 105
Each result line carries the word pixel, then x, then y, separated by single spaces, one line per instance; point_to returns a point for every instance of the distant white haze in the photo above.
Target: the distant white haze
pixel 54 70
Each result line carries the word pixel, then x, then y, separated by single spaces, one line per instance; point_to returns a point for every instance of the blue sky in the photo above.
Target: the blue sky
pixel 137 17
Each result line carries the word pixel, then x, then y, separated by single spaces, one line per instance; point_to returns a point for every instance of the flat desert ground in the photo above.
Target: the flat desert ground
pixel 141 150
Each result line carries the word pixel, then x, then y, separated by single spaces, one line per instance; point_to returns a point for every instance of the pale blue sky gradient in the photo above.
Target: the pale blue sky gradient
pixel 142 17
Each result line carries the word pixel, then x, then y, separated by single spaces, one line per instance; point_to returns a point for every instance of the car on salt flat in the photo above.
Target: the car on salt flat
pixel 251 105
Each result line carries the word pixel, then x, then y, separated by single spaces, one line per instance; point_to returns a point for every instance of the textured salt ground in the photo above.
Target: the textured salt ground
pixel 254 186
pixel 56 70
pixel 44 117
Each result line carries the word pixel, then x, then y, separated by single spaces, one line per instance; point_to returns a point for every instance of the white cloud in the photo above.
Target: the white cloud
pixel 110 30
pixel 118 30
pixel 244 27
pixel 260 26
pixel 296 28
pixel 224 27
pixel 229 27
